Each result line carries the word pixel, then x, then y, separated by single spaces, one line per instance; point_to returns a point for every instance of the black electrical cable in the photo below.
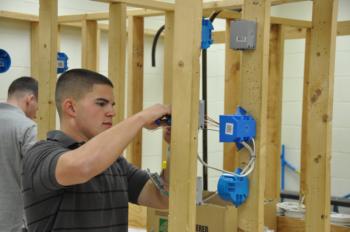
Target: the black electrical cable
pixel 154 44
pixel 204 97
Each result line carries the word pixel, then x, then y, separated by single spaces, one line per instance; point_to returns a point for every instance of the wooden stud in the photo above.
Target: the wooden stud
pixel 232 94
pixel 148 4
pixel 47 66
pixel 304 128
pixel 135 82
pixel 254 80
pixel 168 63
pixel 317 123
pixel 34 48
pixel 183 164
pixel 90 45
pixel 274 124
pixel 117 54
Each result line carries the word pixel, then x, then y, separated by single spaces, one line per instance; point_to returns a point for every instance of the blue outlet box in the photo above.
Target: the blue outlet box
pixel 62 62
pixel 238 127
pixel 5 61
pixel 233 188
pixel 207 28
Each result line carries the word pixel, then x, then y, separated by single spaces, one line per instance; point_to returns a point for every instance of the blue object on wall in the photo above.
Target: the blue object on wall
pixel 233 188
pixel 207 27
pixel 5 61
pixel 62 62
pixel 237 128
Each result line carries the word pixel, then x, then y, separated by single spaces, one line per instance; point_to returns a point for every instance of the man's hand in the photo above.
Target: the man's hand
pixel 151 114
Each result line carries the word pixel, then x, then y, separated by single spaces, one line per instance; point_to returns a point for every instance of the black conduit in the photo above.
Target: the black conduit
pixel 154 44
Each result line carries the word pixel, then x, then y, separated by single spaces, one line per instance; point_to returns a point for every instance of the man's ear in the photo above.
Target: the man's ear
pixel 29 98
pixel 69 107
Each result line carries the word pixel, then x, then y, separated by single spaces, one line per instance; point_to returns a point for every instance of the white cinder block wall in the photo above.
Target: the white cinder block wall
pixel 15 38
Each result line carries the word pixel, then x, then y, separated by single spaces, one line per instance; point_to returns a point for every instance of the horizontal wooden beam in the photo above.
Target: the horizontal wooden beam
pixel 104 27
pixel 291 22
pixel 288 224
pixel 343 28
pixel 105 15
pixel 147 4
pixel 19 16
pixel 224 4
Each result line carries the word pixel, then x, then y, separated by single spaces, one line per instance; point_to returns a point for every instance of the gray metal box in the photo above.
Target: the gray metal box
pixel 243 34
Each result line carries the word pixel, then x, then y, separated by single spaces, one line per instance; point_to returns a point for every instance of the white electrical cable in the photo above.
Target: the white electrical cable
pixel 246 171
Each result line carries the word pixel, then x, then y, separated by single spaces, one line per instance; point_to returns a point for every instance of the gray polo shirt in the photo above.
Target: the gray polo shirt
pixel 17 134
pixel 101 204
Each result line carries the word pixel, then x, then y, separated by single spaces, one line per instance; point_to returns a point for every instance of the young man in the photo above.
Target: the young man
pixel 17 134
pixel 77 179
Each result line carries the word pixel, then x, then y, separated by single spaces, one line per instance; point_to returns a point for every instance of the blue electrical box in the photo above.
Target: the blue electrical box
pixel 62 62
pixel 238 127
pixel 5 61
pixel 207 28
pixel 233 188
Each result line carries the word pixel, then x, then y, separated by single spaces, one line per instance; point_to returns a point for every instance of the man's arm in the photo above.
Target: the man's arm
pixel 150 195
pixel 95 156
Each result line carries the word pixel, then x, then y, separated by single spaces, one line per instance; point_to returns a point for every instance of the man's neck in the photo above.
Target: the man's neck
pixel 72 132
pixel 16 103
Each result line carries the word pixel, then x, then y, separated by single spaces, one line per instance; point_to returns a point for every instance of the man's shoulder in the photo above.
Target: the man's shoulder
pixel 43 147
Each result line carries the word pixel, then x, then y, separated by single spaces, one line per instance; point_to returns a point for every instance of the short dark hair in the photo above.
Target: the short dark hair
pixel 76 83
pixel 23 84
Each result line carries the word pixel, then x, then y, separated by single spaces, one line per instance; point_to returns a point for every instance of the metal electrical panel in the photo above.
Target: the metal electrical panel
pixel 243 34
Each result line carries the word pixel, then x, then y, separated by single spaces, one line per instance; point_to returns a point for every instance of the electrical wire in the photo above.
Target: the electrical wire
pixel 246 171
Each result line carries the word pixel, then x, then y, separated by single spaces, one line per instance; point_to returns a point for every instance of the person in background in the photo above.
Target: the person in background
pixel 77 179
pixel 17 134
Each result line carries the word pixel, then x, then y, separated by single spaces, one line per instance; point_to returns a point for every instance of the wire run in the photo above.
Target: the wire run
pixel 246 170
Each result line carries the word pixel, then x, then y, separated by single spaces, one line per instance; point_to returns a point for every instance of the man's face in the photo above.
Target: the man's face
pixel 32 107
pixel 95 111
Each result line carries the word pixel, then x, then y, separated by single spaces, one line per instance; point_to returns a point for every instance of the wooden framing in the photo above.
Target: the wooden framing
pixel 34 48
pixel 90 42
pixel 48 66
pixel 181 57
pixel 168 62
pixel 183 162
pixel 117 55
pixel 254 80
pixel 149 4
pixel 318 102
pixel 232 95
pixel 135 82
pixel 274 124
pixel 287 224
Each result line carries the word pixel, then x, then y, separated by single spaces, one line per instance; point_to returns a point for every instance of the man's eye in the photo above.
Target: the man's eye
pixel 101 103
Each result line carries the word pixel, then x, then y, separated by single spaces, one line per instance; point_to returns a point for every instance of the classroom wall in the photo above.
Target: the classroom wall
pixel 15 38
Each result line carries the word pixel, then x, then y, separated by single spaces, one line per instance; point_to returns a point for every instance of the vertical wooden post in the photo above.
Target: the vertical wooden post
pixel 34 48
pixel 304 128
pixel 47 66
pixel 90 45
pixel 168 64
pixel 254 80
pixel 232 93
pixel 135 82
pixel 317 134
pixel 185 98
pixel 274 122
pixel 116 55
